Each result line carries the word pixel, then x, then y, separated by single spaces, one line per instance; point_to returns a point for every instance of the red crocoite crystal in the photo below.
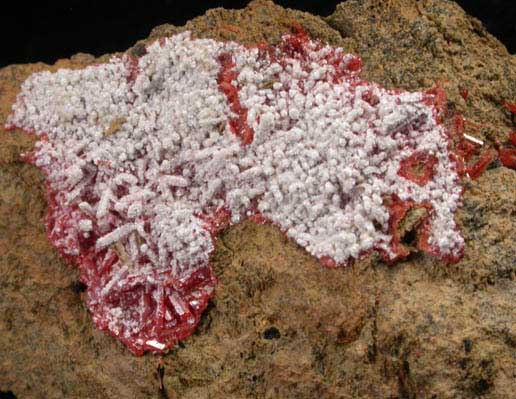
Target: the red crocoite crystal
pixel 508 157
pixel 162 313
pixel 227 85
pixel 483 161
pixel 511 106
pixel 418 167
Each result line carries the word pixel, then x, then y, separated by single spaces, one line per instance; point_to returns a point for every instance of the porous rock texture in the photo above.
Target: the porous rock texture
pixel 280 325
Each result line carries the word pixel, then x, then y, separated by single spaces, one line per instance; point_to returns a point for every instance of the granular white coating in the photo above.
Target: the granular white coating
pixel 320 166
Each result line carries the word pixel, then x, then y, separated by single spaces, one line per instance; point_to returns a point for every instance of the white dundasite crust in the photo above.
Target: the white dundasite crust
pixel 320 164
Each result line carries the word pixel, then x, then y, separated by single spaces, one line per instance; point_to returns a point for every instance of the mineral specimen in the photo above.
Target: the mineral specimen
pixel 148 160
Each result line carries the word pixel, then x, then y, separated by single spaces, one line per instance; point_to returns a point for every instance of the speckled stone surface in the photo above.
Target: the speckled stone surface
pixel 281 325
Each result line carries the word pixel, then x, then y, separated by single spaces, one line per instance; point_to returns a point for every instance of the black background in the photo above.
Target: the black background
pixel 49 30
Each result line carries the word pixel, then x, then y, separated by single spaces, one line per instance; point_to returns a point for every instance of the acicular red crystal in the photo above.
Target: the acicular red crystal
pixel 508 157
pixel 481 164
pixel 226 79
pixel 464 92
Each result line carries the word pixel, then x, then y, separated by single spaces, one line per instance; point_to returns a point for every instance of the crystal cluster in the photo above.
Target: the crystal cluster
pixel 147 160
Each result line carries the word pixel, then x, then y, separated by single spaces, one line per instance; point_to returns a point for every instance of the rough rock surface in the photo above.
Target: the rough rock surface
pixel 281 325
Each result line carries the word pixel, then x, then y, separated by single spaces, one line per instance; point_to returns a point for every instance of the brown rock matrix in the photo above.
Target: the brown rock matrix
pixel 280 325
